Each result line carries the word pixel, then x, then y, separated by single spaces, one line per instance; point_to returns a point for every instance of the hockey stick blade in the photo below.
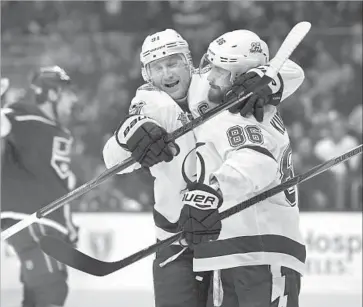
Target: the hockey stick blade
pixel 292 40
pixel 74 258
pixel 65 253
pixel 7 233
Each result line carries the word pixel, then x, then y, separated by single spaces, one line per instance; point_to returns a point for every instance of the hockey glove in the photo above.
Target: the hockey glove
pixel 199 217
pixel 145 139
pixel 255 104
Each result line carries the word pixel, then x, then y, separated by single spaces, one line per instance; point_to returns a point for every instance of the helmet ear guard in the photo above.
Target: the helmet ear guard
pixel 144 74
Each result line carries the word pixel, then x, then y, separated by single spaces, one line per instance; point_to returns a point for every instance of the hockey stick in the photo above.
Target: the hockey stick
pixel 290 43
pixel 66 254
pixel 130 161
pixel 293 39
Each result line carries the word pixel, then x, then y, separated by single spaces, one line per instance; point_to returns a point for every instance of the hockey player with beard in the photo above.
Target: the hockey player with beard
pixel 35 170
pixel 159 107
pixel 260 251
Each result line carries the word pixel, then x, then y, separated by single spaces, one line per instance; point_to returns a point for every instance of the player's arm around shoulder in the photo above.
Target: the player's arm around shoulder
pixel 287 81
pixel 249 164
pixel 292 76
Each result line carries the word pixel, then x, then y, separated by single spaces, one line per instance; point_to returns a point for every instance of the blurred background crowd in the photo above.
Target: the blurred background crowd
pixel 98 43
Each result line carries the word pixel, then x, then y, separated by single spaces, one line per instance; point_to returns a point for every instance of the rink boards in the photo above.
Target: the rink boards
pixel 334 243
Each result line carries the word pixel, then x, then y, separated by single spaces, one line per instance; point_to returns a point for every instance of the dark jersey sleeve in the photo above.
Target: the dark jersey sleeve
pixel 35 163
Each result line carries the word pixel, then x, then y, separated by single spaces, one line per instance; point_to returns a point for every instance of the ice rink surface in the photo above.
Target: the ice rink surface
pixel 134 298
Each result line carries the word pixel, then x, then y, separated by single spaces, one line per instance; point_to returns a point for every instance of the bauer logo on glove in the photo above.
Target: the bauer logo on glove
pixel 131 122
pixel 201 199
pixel 199 217
pixel 146 140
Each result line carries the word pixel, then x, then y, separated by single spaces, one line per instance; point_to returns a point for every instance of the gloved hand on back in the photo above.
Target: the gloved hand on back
pixel 270 94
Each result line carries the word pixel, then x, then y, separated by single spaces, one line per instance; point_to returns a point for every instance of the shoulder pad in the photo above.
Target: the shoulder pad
pixel 24 108
pixel 25 112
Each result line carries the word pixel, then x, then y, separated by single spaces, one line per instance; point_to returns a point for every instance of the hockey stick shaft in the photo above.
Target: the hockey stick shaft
pixel 74 258
pixel 300 30
pixel 292 182
pixel 69 256
pixel 252 201
pixel 126 163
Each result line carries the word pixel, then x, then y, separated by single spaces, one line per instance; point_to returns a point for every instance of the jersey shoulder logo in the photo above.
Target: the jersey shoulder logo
pixel 135 108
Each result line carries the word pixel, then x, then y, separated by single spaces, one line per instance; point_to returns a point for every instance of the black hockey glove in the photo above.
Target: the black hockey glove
pixel 199 217
pixel 145 139
pixel 270 94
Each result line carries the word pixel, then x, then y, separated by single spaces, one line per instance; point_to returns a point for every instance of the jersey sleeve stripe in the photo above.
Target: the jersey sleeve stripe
pixel 22 118
pixel 250 244
pixel 259 149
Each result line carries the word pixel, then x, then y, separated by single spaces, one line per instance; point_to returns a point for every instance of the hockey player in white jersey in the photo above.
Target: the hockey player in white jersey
pixel 159 107
pixel 259 250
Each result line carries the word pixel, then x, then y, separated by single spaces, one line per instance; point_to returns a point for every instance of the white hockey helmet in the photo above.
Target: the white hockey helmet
pixel 161 45
pixel 237 51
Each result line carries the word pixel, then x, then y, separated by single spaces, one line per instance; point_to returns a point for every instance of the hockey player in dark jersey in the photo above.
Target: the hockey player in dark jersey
pixel 35 171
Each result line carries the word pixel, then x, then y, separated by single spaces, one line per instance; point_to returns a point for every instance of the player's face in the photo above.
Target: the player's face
pixel 65 106
pixel 171 74
pixel 219 81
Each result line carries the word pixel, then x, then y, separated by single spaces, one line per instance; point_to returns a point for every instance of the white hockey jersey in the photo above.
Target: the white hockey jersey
pixel 169 185
pixel 246 158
